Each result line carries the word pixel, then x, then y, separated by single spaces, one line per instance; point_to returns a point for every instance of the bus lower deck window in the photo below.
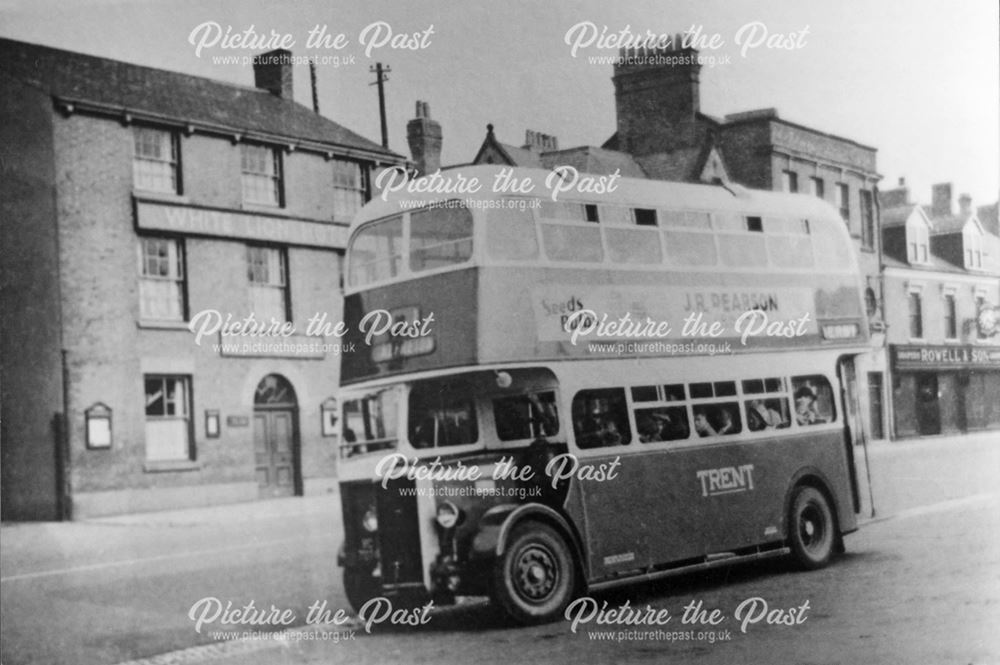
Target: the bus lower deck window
pixel 813 400
pixel 771 413
pixel 717 419
pixel 600 418
pixel 665 423
pixel 526 416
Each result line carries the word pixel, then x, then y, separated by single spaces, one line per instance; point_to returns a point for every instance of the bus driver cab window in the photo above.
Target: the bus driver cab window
pixel 600 418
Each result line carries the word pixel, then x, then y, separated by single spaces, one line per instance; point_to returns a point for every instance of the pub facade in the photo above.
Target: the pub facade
pixel 150 219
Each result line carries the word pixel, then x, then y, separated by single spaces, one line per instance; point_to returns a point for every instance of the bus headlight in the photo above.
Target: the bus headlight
pixel 370 521
pixel 448 514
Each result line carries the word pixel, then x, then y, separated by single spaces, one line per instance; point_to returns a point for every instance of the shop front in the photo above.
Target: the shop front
pixel 944 389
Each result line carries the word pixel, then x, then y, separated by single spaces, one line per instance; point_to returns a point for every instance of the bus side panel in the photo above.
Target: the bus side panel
pixel 699 500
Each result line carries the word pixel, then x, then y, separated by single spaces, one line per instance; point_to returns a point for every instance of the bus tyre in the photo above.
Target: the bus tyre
pixel 534 579
pixel 359 587
pixel 811 528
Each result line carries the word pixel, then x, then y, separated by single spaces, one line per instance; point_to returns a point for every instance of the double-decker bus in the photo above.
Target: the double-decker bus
pixel 552 397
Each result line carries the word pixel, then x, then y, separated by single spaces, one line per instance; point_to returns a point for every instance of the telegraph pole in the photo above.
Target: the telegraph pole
pixel 381 76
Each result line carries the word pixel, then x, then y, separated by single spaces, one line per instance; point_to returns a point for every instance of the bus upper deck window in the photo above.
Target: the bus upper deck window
pixel 743 249
pixel 510 233
pixel 376 252
pixel 645 217
pixel 688 248
pixel 563 210
pixel 615 215
pixel 572 242
pixel 633 245
pixel 836 252
pixel 684 219
pixel 440 236
pixel 794 250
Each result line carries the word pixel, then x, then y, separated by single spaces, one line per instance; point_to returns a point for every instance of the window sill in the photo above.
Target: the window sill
pixel 167 466
pixel 164 197
pixel 162 325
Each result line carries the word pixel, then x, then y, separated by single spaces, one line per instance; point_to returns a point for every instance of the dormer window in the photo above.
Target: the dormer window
pixel 973 242
pixel 917 243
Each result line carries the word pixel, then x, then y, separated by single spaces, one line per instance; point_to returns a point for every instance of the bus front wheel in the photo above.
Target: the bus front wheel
pixel 811 528
pixel 534 579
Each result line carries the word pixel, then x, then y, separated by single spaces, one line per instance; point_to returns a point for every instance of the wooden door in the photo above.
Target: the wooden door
pixel 274 449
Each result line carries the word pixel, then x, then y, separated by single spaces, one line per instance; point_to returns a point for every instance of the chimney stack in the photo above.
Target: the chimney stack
pixel 895 198
pixel 964 204
pixel 272 71
pixel 424 136
pixel 540 142
pixel 655 97
pixel 941 200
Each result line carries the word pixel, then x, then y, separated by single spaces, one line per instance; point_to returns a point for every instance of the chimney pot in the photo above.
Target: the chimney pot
pixel 965 204
pixel 272 71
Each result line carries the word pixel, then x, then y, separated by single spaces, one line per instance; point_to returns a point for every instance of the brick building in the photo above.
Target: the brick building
pixel 942 286
pixel 135 203
pixel 662 134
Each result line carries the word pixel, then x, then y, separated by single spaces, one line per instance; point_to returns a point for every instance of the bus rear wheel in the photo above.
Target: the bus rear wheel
pixel 811 528
pixel 534 579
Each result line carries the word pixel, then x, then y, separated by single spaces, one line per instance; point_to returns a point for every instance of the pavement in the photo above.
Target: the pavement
pixel 912 473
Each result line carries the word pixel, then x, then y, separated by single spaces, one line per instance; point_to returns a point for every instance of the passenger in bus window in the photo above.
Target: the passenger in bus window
pixel 805 407
pixel 763 415
pixel 648 427
pixel 701 424
pixel 727 424
pixel 598 427
pixel 662 424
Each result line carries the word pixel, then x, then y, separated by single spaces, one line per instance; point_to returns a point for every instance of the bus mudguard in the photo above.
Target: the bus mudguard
pixel 496 524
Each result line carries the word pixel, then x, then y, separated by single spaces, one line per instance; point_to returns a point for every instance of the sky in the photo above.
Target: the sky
pixel 919 81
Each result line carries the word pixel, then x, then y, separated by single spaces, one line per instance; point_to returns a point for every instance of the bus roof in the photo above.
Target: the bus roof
pixel 633 191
